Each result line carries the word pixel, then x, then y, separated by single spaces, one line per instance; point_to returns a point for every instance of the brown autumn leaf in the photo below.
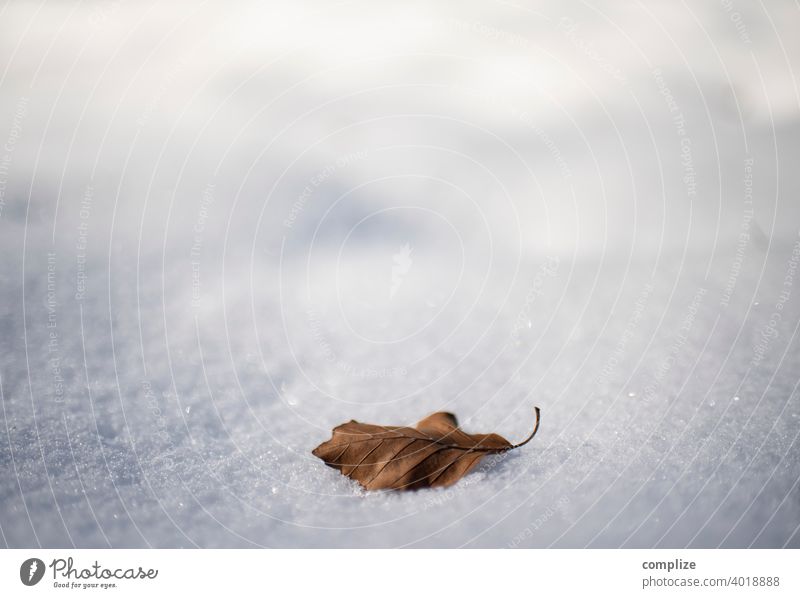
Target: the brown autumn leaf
pixel 434 453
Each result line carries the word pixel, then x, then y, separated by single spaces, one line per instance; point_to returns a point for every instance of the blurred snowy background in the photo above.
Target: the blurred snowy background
pixel 227 227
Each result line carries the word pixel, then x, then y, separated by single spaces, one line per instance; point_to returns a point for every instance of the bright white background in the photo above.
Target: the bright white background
pixel 473 572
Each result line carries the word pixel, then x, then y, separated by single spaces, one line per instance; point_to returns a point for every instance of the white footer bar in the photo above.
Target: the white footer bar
pixel 396 573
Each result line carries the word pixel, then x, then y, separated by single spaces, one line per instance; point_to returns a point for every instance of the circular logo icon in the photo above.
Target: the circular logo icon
pixel 31 572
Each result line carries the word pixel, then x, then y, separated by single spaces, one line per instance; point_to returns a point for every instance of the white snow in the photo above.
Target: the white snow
pixel 217 247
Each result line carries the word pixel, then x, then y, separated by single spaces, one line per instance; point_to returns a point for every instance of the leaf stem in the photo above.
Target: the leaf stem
pixel 529 438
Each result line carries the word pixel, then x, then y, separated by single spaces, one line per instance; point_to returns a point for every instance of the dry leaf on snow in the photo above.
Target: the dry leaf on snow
pixel 434 453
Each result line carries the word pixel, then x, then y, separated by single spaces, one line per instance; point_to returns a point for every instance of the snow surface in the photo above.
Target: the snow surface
pixel 215 248
pixel 210 445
